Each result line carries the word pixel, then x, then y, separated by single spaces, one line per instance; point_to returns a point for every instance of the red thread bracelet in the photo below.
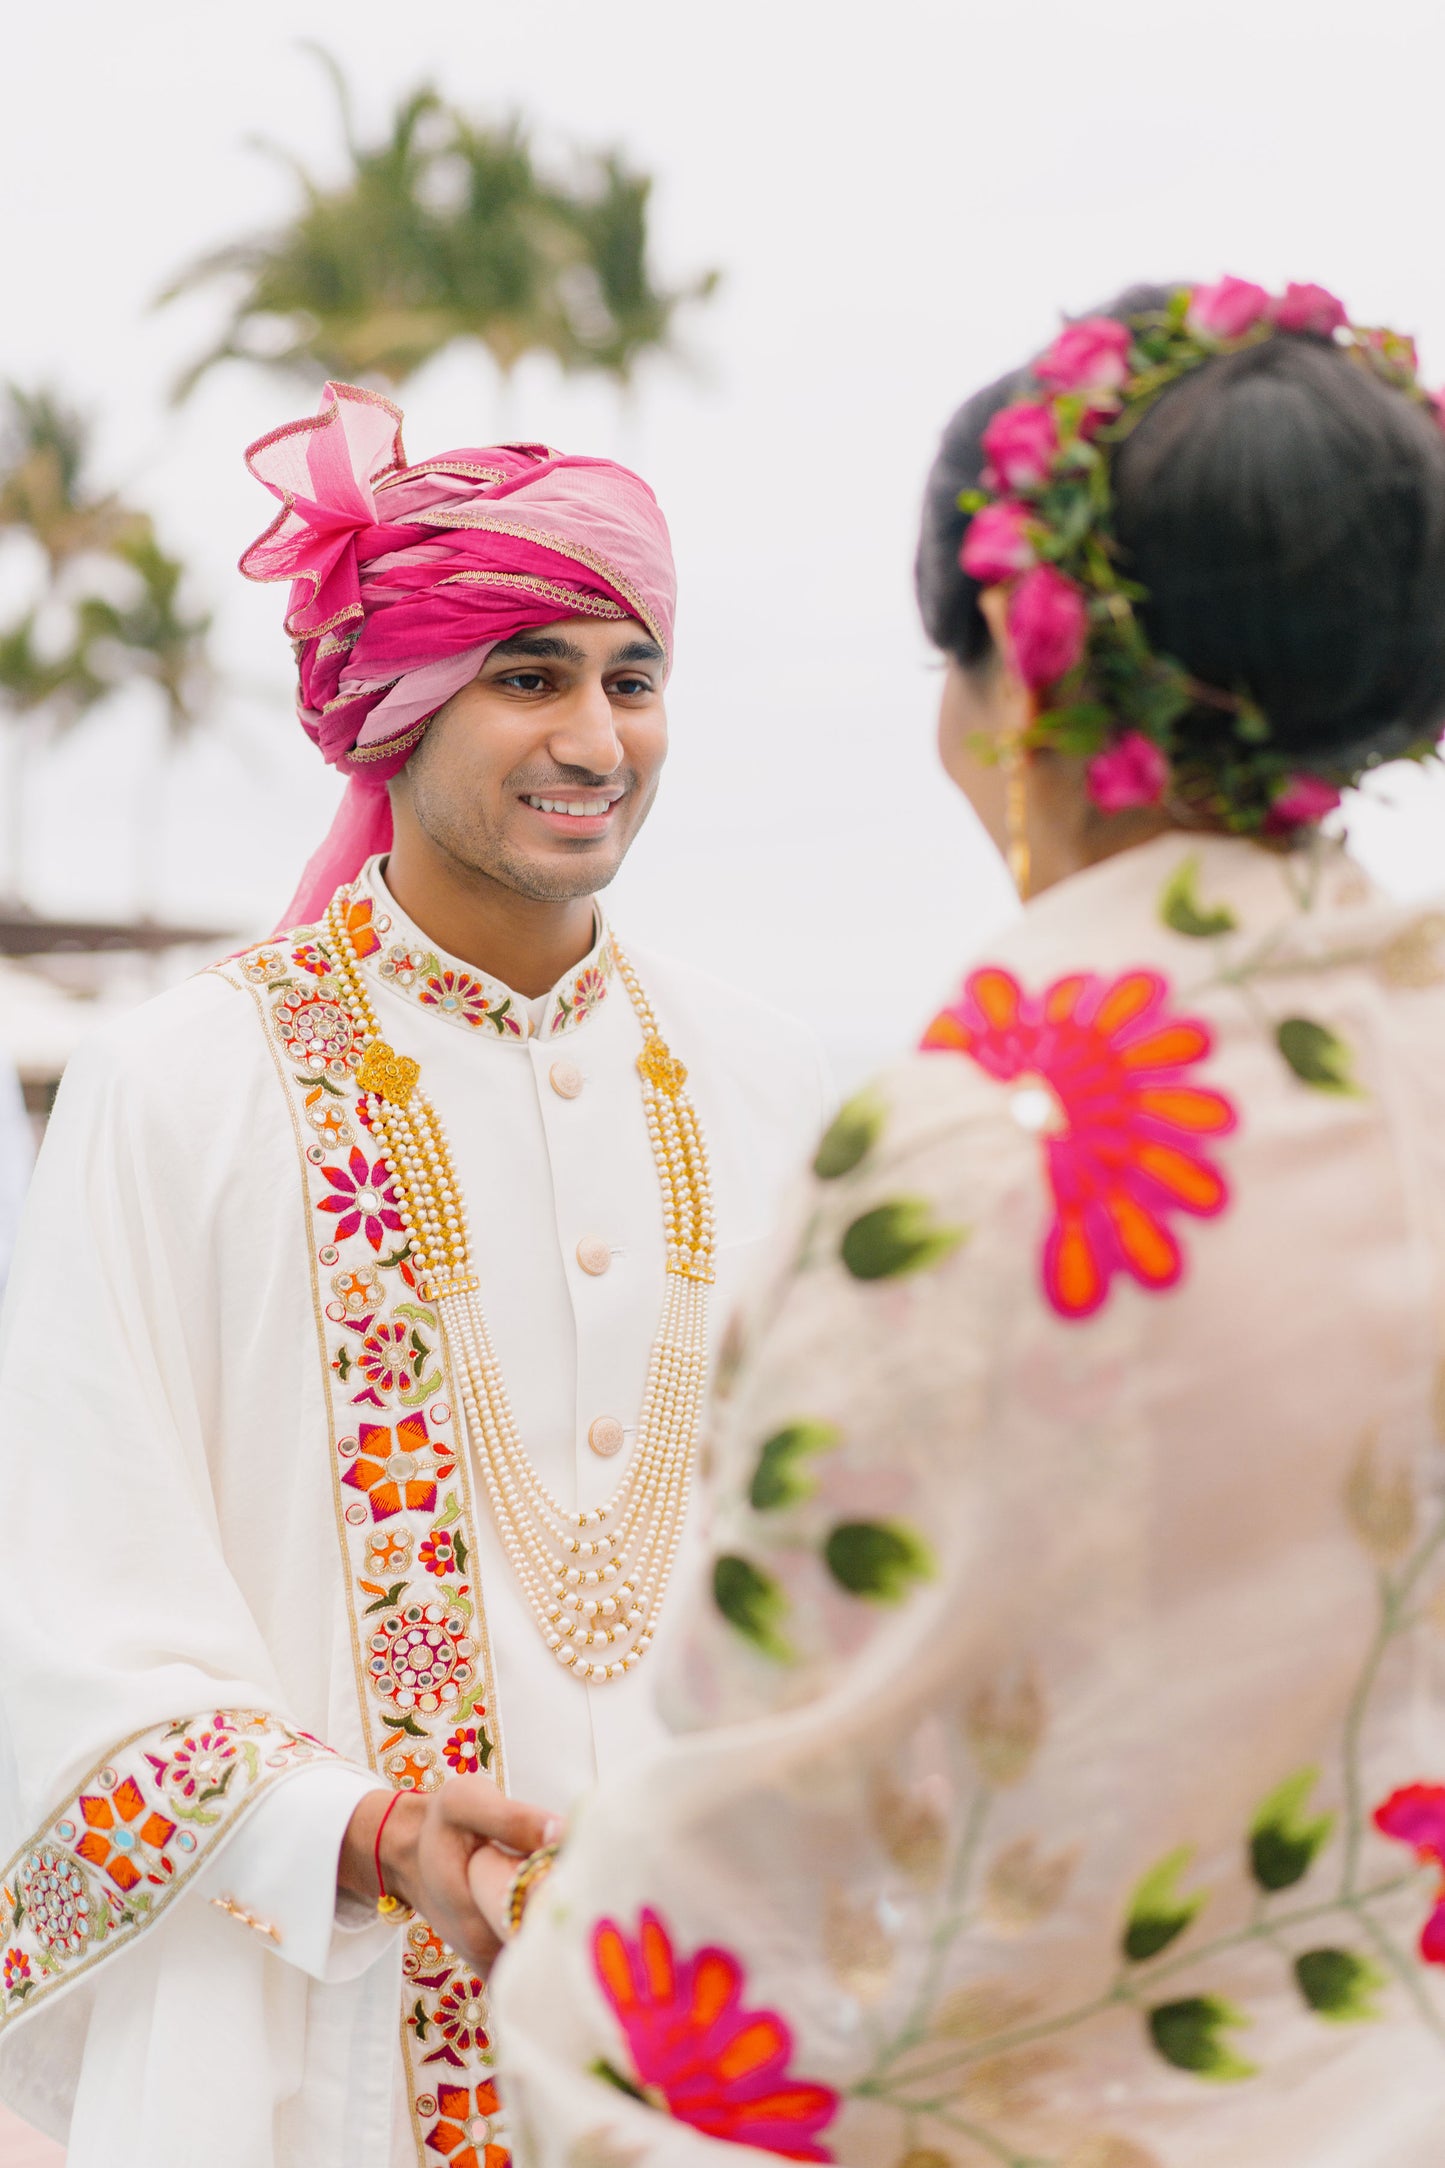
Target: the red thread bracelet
pixel 380 1880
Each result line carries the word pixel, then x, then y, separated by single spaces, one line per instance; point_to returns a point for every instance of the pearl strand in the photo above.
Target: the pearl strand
pixel 597 1579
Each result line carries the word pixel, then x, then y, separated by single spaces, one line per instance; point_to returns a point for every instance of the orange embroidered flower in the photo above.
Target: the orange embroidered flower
pixel 1099 1070
pixel 461 2131
pixel 115 1832
pixel 399 1476
pixel 698 2054
pixel 358 916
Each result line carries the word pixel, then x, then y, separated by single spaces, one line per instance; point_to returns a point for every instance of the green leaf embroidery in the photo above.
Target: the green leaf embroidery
pixel 896 1238
pixel 1181 909
pixel 850 1136
pixel 1339 1985
pixel 1318 1057
pixel 1284 1841
pixel 420 2020
pixel 780 1479
pixel 485 1749
pixel 878 1559
pixel 1189 2035
pixel 1157 1911
pixel 460 1552
pixel 407 1723
pixel 344 1364
pixel 384 1603
pixel 752 1602
pixel 451 1510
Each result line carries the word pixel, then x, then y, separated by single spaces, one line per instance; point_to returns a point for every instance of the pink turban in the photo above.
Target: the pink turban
pixel 404 577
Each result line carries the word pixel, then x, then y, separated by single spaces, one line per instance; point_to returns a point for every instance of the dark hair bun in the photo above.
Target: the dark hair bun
pixel 1285 510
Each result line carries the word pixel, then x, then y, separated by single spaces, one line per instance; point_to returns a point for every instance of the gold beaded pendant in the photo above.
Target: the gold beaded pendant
pixel 594 1581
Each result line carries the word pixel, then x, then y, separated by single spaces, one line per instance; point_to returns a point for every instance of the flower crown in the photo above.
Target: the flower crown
pixel 1042 526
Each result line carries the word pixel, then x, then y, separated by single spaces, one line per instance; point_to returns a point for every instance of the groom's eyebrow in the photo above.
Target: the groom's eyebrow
pixel 542 647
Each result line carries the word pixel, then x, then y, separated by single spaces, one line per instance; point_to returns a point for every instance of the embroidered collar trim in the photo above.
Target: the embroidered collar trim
pixel 401 956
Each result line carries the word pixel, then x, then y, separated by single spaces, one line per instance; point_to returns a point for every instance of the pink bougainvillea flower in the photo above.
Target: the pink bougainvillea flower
pixel 1415 1815
pixel 1310 308
pixel 1099 1069
pixel 362 1196
pixel 1020 445
pixel 1304 799
pixel 1048 625
pixel 698 2053
pixel 1133 771
pixel 1228 309
pixel 997 546
pixel 1092 355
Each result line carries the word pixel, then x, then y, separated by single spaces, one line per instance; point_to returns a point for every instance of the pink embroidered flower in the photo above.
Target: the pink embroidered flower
pixel 589 989
pixel 469 1749
pixel 17 1970
pixel 1309 308
pixel 699 2053
pixel 1048 625
pixel 311 959
pixel 362 1196
pixel 997 546
pixel 456 995
pixel 438 1553
pixel 1099 1069
pixel 1133 771
pixel 1020 445
pixel 387 1355
pixel 461 2019
pixel 401 1475
pixel 461 2133
pixel 202 1763
pixel 1092 355
pixel 1228 309
pixel 1304 800
pixel 1415 1815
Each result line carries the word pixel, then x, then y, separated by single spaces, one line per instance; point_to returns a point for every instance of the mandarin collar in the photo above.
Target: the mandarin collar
pixel 399 955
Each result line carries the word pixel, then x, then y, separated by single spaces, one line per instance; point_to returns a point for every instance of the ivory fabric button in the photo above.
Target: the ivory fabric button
pixel 605 1436
pixel 593 1255
pixel 565 1079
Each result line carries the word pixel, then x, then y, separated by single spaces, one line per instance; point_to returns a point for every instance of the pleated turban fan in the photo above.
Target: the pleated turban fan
pixel 403 578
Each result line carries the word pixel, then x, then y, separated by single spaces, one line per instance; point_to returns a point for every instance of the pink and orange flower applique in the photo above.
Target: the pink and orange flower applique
pixel 698 2054
pixel 1100 1068
pixel 1415 1815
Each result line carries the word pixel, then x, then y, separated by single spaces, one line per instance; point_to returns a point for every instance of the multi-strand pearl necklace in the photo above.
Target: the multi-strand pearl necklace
pixel 594 1580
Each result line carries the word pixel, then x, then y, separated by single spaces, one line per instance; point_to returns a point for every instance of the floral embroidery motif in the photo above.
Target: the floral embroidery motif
pixel 102 1867
pixel 438 1553
pixel 461 2019
pixel 698 2052
pixel 400 1475
pixel 1415 1815
pixel 317 1034
pixel 1099 1068
pixel 420 1656
pixel 470 1000
pixel 461 2131
pixel 588 990
pixel 469 1749
pixel 362 1195
pixel 458 995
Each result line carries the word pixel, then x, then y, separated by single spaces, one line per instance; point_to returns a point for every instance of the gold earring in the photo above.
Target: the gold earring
pixel 1016 814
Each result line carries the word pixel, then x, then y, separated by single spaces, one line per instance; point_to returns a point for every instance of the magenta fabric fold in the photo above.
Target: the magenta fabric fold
pixel 404 577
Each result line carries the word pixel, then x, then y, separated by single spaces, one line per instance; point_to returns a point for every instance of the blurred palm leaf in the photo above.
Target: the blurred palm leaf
pixel 443 230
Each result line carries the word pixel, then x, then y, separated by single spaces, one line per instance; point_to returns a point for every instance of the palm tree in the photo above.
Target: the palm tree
pixel 108 611
pixel 444 230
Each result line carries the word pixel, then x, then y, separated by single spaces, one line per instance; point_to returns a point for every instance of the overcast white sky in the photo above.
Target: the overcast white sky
pixel 901 198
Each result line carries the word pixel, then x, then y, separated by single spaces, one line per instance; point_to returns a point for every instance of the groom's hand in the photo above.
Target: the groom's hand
pixel 434 1845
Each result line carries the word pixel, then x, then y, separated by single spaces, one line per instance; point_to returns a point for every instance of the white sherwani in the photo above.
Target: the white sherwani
pixel 214 1366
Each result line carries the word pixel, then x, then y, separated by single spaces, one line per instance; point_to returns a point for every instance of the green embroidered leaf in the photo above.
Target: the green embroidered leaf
pixel 460 1552
pixel 397 1257
pixel 344 1364
pixel 601 2068
pixel 1158 1912
pixel 780 1478
pixel 851 1135
pixel 420 2021
pixel 878 1559
pixel 1339 1985
pixel 1190 2035
pixel 749 1600
pixel 407 1723
pixel 451 1510
pixel 1318 1057
pixel 485 1748
pixel 21 1990
pixel 1181 909
pixel 896 1238
pixel 1284 1841
pixel 18 1914
pixel 384 1603
pixel 216 1791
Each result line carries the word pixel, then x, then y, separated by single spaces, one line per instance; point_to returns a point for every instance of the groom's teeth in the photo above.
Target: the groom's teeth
pixel 585 809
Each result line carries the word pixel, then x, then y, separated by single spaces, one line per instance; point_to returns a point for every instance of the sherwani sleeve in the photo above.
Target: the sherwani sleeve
pixel 150 1749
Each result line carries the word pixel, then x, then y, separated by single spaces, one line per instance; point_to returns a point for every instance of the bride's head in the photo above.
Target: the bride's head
pixel 1258 547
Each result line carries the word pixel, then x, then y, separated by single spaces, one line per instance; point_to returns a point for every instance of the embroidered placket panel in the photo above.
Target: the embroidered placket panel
pixel 403 1495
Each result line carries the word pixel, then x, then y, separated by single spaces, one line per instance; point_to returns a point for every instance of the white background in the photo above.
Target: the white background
pixel 901 198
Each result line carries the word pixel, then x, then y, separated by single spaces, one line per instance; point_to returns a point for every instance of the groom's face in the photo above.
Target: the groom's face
pixel 541 771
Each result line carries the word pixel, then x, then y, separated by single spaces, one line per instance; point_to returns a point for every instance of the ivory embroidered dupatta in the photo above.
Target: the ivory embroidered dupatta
pixel 1061 1769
